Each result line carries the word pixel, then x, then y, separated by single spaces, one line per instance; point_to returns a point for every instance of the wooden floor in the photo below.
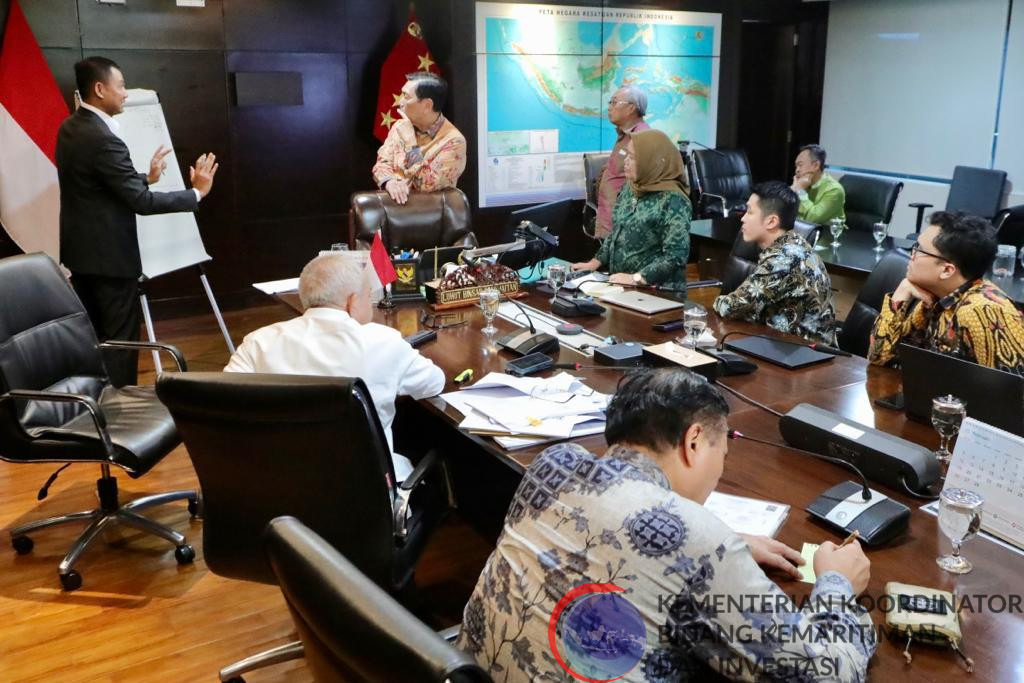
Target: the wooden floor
pixel 141 617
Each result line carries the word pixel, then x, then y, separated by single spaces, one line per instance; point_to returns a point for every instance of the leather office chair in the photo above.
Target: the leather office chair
pixel 721 180
pixel 313 447
pixel 809 231
pixel 57 405
pixel 855 331
pixel 869 200
pixel 741 262
pixel 977 191
pixel 593 167
pixel 1009 225
pixel 426 221
pixel 351 629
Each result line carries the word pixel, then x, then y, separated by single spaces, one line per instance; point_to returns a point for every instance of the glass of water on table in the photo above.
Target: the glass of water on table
pixel 695 321
pixel 490 298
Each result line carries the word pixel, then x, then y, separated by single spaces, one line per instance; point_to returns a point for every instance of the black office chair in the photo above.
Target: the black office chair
pixel 313 447
pixel 1009 225
pixel 977 191
pixel 809 231
pixel 721 181
pixel 57 405
pixel 855 331
pixel 869 200
pixel 593 167
pixel 740 263
pixel 351 629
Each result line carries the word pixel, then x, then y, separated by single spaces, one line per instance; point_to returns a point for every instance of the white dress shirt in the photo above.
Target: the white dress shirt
pixel 327 341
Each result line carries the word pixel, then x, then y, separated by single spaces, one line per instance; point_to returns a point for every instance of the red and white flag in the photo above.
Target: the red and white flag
pixel 379 270
pixel 31 111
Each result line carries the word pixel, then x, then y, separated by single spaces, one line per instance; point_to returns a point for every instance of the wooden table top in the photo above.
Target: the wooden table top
pixel 993 635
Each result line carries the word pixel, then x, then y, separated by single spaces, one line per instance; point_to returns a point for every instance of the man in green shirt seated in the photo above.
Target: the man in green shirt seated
pixel 822 198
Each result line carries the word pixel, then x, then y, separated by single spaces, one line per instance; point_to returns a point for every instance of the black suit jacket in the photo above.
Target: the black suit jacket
pixel 100 193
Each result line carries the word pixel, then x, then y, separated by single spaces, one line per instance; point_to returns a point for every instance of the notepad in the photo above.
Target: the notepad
pixel 747 515
pixel 807 568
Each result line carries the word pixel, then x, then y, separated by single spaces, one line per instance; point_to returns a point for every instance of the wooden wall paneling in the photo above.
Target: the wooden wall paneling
pixel 150 25
pixel 279 248
pixel 54 22
pixel 275 26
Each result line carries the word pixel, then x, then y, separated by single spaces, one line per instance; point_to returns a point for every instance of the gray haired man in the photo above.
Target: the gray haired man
pixel 626 109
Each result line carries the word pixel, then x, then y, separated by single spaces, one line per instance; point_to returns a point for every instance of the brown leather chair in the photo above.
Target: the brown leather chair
pixel 426 221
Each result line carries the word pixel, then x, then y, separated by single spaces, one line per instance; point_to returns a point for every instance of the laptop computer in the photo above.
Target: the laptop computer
pixel 992 396
pixel 790 355
pixel 641 302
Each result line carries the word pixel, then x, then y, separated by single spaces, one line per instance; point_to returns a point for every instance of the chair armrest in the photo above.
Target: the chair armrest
pixel 179 358
pixel 60 397
pixel 587 204
pixel 450 633
pixel 424 467
pixel 920 205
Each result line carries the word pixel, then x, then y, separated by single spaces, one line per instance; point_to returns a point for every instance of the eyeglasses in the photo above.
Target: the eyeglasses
pixel 440 321
pixel 916 249
pixel 616 103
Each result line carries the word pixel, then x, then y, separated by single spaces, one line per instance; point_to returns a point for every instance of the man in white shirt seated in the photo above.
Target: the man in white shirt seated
pixel 335 337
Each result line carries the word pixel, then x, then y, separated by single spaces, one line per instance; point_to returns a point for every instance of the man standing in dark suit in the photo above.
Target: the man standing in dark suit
pixel 100 194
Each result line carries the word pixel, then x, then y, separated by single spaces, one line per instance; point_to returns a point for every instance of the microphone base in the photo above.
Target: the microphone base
pixel 844 509
pixel 523 342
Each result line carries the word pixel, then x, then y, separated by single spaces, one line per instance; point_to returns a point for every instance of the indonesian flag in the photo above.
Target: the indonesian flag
pixel 379 269
pixel 31 111
pixel 409 54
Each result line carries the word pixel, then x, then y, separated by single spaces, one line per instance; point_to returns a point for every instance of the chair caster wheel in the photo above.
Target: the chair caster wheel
pixel 184 554
pixel 194 508
pixel 22 545
pixel 236 679
pixel 71 581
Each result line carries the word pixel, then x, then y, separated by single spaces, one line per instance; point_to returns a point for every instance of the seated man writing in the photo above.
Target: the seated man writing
pixel 822 197
pixel 634 518
pixel 944 303
pixel 335 337
pixel 790 290
pixel 423 152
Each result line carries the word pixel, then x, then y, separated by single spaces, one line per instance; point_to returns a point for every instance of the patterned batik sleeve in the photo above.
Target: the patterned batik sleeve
pixel 993 335
pixel 442 170
pixel 384 169
pixel 895 321
pixel 748 300
pixel 739 623
pixel 674 223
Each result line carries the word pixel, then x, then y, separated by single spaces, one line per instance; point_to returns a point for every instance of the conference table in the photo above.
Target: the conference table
pixel 853 258
pixel 485 475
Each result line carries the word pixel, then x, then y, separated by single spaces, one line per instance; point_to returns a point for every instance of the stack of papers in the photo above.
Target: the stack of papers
pixel 522 411
pixel 747 515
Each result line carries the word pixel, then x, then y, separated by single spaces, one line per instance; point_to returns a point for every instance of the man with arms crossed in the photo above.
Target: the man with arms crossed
pixel 634 517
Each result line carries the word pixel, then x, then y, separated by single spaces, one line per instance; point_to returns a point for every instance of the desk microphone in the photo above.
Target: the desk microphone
pixel 522 342
pixel 865 489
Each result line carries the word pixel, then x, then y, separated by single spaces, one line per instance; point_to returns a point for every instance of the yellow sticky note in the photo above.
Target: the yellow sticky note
pixel 807 568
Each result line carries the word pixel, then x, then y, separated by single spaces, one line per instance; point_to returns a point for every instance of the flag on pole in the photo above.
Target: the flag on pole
pixel 409 54
pixel 31 111
pixel 379 269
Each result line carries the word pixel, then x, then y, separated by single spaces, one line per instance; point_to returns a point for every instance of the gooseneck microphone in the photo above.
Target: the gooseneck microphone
pixel 865 489
pixel 522 342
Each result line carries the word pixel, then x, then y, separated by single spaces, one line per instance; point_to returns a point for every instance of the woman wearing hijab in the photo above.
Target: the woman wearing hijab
pixel 650 239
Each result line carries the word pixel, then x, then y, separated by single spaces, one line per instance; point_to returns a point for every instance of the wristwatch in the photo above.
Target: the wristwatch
pixel 637 278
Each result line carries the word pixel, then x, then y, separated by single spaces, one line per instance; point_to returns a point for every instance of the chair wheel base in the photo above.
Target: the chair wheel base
pixel 236 679
pixel 71 581
pixel 184 554
pixel 194 509
pixel 22 545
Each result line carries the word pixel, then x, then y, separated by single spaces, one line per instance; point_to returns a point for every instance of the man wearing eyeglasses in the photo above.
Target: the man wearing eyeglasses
pixel 945 305
pixel 336 337
pixel 626 110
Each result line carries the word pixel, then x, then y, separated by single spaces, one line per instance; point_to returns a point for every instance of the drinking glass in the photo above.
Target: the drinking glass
pixel 489 300
pixel 1003 266
pixel 959 519
pixel 880 231
pixel 836 227
pixel 339 246
pixel 695 320
pixel 556 278
pixel 947 414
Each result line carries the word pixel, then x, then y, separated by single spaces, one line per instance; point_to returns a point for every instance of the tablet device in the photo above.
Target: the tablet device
pixel 787 354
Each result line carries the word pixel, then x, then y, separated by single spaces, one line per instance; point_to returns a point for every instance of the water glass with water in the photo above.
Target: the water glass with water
pixel 556 278
pixel 947 414
pixel 1003 266
pixel 836 227
pixel 489 300
pixel 880 231
pixel 960 520
pixel 695 321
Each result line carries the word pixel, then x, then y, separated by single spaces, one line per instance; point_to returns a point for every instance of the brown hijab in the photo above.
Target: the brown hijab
pixel 659 165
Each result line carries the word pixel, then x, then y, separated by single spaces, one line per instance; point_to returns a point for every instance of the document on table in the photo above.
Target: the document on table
pixel 747 515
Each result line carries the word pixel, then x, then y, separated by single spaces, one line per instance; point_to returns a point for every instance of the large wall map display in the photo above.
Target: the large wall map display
pixel 545 74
